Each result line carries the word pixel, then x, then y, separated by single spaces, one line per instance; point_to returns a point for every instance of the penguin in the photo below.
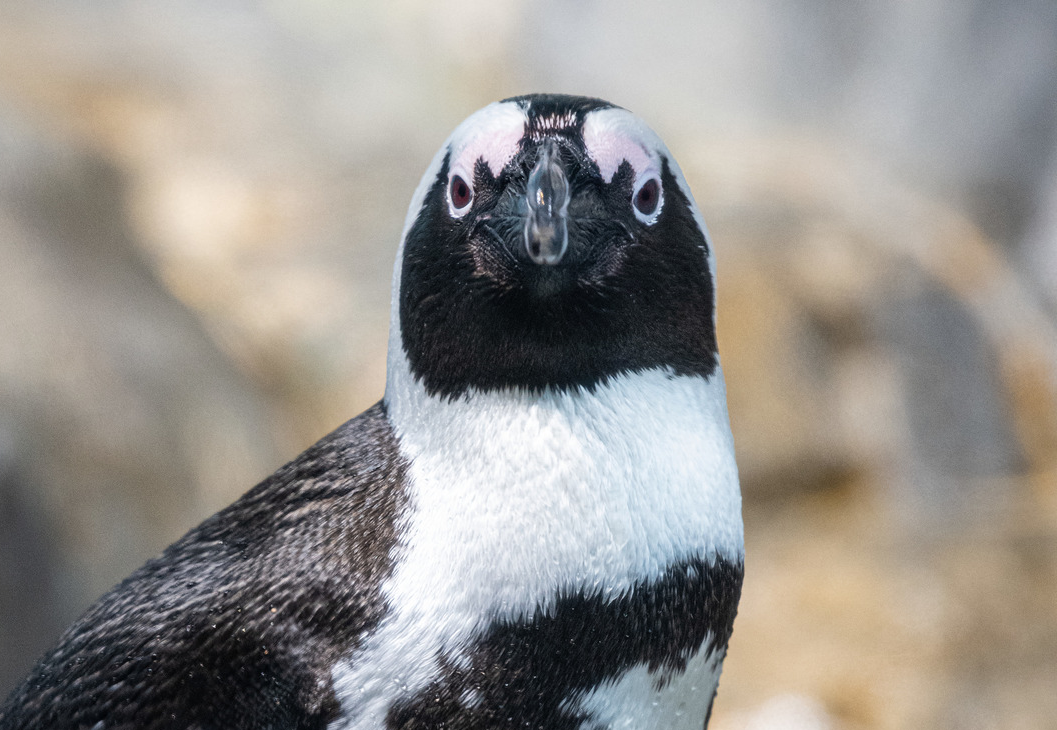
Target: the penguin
pixel 538 526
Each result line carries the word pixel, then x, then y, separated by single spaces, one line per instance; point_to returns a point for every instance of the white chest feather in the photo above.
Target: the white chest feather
pixel 515 497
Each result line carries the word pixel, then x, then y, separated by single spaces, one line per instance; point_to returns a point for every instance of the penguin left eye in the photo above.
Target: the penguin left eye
pixel 647 200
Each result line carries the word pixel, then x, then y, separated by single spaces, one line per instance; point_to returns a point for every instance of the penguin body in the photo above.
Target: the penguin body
pixel 540 524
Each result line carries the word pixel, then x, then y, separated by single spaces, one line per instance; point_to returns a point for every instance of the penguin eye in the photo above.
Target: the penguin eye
pixel 647 200
pixel 460 194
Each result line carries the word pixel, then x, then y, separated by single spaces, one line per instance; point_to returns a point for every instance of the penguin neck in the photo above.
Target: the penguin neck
pixel 650 445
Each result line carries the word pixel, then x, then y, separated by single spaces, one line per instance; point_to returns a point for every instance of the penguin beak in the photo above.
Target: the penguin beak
pixel 547 196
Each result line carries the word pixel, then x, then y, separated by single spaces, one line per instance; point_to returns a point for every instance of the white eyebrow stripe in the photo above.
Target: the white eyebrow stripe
pixel 614 135
pixel 492 134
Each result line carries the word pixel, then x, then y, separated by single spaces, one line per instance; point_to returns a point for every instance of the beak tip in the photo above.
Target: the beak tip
pixel 546 245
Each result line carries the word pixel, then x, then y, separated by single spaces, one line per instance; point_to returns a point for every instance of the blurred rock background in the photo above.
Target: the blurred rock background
pixel 199 207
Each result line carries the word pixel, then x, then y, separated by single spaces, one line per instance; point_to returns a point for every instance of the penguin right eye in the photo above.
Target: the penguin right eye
pixel 647 200
pixel 460 195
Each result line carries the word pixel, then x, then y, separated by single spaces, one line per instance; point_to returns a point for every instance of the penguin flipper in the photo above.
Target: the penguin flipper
pixel 238 623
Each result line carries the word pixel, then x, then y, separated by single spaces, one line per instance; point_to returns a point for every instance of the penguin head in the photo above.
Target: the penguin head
pixel 552 244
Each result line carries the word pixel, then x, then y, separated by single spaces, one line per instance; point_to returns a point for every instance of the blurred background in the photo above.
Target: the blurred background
pixel 200 201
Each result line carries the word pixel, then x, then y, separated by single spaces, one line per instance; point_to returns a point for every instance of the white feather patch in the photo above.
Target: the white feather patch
pixel 635 702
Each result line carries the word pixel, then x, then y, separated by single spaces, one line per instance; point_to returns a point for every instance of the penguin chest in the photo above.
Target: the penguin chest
pixel 565 563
